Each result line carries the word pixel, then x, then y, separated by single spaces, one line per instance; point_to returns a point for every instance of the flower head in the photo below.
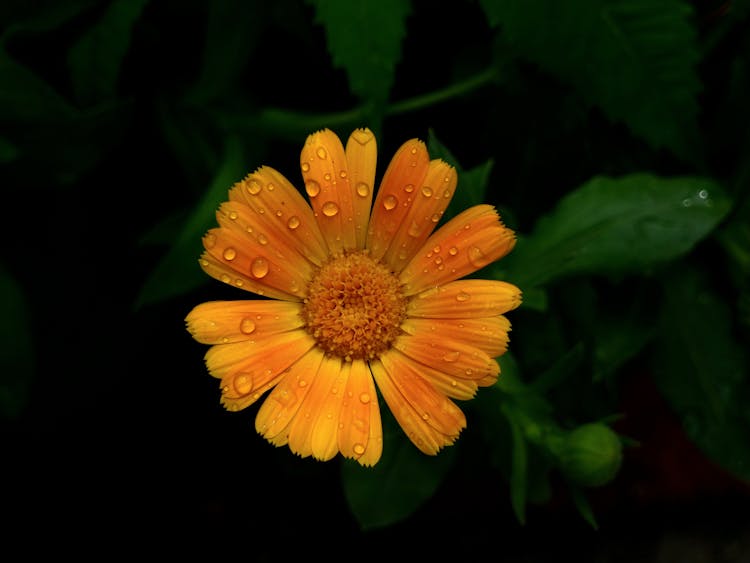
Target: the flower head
pixel 363 302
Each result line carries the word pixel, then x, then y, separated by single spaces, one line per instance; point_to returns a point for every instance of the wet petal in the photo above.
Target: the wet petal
pixel 464 299
pixel 360 433
pixel 422 434
pixel 281 213
pixel 488 334
pixel 471 240
pixel 451 357
pixel 223 322
pixel 326 174
pixel 403 177
pixel 312 431
pixel 283 402
pixel 361 157
pixel 430 200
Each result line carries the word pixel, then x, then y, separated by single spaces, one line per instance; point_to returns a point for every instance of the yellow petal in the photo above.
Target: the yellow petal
pixel 223 322
pixel 402 179
pixel 283 402
pixel 361 158
pixel 471 240
pixel 423 435
pixel 430 200
pixel 360 434
pixel 464 299
pixel 281 213
pixel 326 174
pixel 488 334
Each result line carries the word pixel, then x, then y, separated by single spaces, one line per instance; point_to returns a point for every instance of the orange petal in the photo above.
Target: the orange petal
pixel 432 406
pixel 449 356
pixel 281 213
pixel 466 243
pixel 430 201
pixel 222 322
pixel 402 179
pixel 360 434
pixel 311 432
pixel 283 402
pixel 361 158
pixel 488 334
pixel 324 168
pixel 250 368
pixel 235 259
pixel 464 299
pixel 423 435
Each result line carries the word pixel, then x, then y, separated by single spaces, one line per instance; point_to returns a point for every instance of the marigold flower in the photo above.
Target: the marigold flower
pixel 365 301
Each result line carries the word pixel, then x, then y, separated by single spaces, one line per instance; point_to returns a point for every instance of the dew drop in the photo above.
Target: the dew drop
pixel 426 416
pixel 390 202
pixel 435 217
pixel 259 267
pixel 279 213
pixel 243 383
pixel 254 187
pixel 342 174
pixel 686 202
pixel 363 190
pixel 364 398
pixel 451 356
pixel 462 296
pixel 414 229
pixel 703 194
pixel 447 194
pixel 247 326
pixel 270 187
pixel 321 152
pixel 327 177
pixel 427 191
pixel 229 254
pixel 414 150
pixel 225 278
pixel 330 209
pixel 204 262
pixel 477 257
pixel 312 188
pixel 239 282
pixel 359 449
pixel 302 383
pixel 305 167
pixel 408 188
pixel 436 248
pixel 453 251
pixel 262 239
pixel 469 371
pixel 293 222
pixel 233 215
pixel 209 241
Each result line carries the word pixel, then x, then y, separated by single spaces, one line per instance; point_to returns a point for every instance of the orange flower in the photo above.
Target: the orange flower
pixel 359 295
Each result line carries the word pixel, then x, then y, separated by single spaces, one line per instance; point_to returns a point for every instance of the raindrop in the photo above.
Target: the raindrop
pixel 390 202
pixel 293 222
pixel 435 217
pixel 254 187
pixel 447 194
pixel 302 383
pixel 436 248
pixel 209 241
pixel 686 202
pixel 262 239
pixel 247 326
pixel 330 209
pixel 305 167
pixel 453 251
pixel 364 398
pixel 321 152
pixel 427 191
pixel 408 188
pixel 363 190
pixel 703 194
pixel 239 282
pixel 243 383
pixel 451 356
pixel 426 416
pixel 279 213
pixel 359 449
pixel 233 215
pixel 270 187
pixel 414 229
pixel 312 188
pixel 342 174
pixel 204 262
pixel 414 150
pixel 462 296
pixel 225 278
pixel 327 177
pixel 477 257
pixel 229 254
pixel 259 267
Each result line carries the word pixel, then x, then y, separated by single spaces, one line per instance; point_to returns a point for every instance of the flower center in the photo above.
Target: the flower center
pixel 354 307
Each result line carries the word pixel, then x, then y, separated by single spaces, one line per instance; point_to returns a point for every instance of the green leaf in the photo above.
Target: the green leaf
pixel 16 347
pixel 582 505
pixel 702 370
pixel 518 466
pixel 398 484
pixel 617 226
pixel 617 340
pixel 178 271
pixel 364 38
pixel 96 58
pixel 635 59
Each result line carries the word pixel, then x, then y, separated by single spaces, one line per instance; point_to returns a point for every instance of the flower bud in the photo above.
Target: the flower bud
pixel 591 455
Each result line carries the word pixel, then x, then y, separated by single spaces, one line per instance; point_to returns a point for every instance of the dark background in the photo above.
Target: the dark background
pixel 119 436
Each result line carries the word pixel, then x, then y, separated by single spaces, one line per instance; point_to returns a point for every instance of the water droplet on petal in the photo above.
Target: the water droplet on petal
pixel 359 449
pixel 305 167
pixel 321 152
pixel 293 222
pixel 451 356
pixel 408 188
pixel 327 177
pixel 243 383
pixel 462 296
pixel 262 239
pixel 427 191
pixel 302 383
pixel 414 229
pixel 209 241
pixel 342 174
pixel 447 194
pixel 330 209
pixel 233 215
pixel 390 202
pixel 363 190
pixel 477 257
pixel 229 254
pixel 312 188
pixel 270 187
pixel 453 251
pixel 247 326
pixel 254 187
pixel 435 217
pixel 426 416
pixel 364 398
pixel 225 278
pixel 259 267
